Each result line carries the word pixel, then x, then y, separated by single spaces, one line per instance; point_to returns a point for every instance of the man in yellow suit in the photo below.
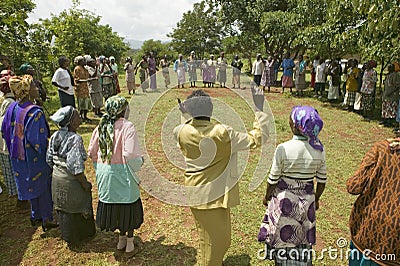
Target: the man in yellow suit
pixel 210 151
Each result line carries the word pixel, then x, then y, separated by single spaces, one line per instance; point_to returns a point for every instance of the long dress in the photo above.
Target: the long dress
pixel 390 96
pixel 130 76
pixel 192 68
pixel 180 67
pixel 143 74
pixel 268 76
pixel 212 69
pixel 67 156
pixel 26 133
pixel 334 83
pixel 300 75
pixel 368 89
pixel 152 73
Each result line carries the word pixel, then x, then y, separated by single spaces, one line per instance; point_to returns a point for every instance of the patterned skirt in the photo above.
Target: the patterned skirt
pixel 8 174
pixel 349 98
pixel 367 102
pixel 287 81
pixel 389 109
pixel 289 221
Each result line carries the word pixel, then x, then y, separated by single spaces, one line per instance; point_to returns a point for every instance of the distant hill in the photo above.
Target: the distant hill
pixel 134 44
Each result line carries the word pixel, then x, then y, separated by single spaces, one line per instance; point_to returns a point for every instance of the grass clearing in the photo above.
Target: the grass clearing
pixel 168 235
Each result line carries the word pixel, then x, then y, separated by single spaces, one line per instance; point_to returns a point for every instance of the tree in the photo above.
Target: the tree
pixel 13 28
pixel 199 30
pixel 379 32
pixel 77 32
pixel 158 48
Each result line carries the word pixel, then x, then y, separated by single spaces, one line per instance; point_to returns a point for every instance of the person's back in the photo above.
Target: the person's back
pixel 375 218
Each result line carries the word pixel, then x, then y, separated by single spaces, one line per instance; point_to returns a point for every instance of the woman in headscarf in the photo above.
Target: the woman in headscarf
pixel 70 189
pixel 288 226
pixel 368 89
pixel 390 96
pixel 26 133
pixel 115 152
pixel 29 70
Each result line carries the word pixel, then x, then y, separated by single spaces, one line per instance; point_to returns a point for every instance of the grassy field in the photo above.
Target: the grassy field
pixel 168 235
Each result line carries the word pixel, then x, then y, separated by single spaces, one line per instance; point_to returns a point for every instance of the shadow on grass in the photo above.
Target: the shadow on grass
pixel 237 260
pixel 15 230
pixel 152 252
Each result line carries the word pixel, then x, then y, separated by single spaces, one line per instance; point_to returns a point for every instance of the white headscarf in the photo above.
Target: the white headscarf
pixel 63 116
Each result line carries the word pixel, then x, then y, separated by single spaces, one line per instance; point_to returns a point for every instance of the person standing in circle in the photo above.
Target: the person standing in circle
pixel 289 223
pixel 130 75
pixel 164 64
pixel 71 191
pixel 213 218
pixel 237 65
pixel 64 81
pixel 192 69
pixel 115 152
pixel 26 132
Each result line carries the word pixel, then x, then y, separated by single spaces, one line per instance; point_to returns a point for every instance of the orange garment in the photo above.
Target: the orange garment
pixel 375 218
pixel 81 88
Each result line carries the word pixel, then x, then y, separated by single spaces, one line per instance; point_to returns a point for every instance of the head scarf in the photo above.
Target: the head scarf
pixel 24 67
pixel 6 72
pixel 63 116
pixel 114 106
pixel 77 59
pixel 307 120
pixel 4 87
pixel 372 63
pixel 20 86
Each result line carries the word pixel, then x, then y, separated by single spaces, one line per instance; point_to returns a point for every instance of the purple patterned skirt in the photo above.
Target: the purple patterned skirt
pixel 289 220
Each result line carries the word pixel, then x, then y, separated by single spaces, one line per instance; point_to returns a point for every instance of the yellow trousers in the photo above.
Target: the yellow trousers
pixel 214 229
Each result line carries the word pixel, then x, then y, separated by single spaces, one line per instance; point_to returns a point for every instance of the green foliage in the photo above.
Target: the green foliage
pixel 200 30
pixel 158 48
pixel 13 27
pixel 78 32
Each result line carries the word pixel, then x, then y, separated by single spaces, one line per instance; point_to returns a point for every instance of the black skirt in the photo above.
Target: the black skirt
pixel 122 216
pixel 75 227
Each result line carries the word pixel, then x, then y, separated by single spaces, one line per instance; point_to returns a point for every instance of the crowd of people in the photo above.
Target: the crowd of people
pixel 49 171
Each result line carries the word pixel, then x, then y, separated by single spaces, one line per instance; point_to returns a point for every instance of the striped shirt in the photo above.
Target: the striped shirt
pixel 296 159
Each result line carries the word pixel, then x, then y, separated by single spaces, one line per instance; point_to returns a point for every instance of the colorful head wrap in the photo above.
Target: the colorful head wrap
pixel 307 120
pixel 20 86
pixel 4 87
pixel 114 107
pixel 63 116
pixel 24 67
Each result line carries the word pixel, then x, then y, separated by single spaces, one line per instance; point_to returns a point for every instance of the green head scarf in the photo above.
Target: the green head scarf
pixel 114 107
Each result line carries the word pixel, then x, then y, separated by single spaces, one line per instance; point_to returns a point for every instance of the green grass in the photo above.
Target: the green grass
pixel 168 235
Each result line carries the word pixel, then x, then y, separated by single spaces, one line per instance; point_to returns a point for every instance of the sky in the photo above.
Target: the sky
pixel 131 19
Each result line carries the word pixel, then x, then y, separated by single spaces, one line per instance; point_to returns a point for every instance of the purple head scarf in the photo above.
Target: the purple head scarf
pixel 307 120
